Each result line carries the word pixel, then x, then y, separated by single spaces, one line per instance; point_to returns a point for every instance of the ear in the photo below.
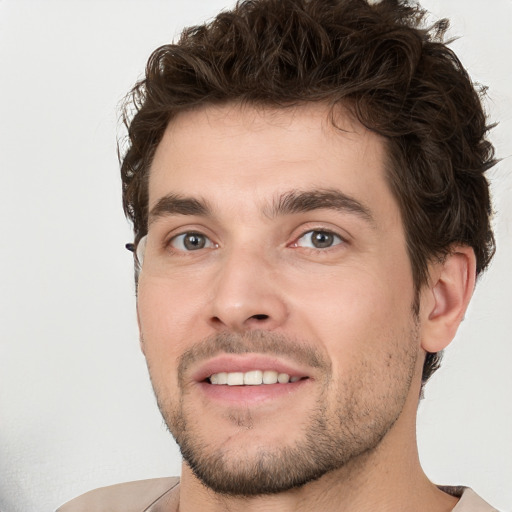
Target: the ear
pixel 445 299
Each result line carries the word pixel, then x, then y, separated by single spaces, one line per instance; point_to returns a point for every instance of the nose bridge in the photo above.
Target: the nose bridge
pixel 245 294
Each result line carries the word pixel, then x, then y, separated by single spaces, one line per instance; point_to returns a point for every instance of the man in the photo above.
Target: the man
pixel 306 183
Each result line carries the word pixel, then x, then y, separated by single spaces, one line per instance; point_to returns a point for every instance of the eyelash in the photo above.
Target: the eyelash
pixel 208 242
pixel 334 238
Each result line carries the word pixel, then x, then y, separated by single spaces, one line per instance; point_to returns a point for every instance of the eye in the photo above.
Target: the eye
pixel 191 242
pixel 318 240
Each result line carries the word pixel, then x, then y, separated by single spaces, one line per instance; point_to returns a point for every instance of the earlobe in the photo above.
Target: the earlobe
pixel 448 295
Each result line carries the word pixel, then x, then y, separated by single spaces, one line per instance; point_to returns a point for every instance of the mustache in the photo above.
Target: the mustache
pixel 261 342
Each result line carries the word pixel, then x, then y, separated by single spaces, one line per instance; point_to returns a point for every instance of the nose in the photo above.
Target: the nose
pixel 246 294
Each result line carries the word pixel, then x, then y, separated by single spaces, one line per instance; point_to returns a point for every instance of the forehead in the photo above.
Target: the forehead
pixel 248 152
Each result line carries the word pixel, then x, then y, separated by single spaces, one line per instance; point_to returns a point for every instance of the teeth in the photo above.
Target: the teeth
pixel 283 378
pixel 252 378
pixel 235 379
pixel 269 377
pixel 219 378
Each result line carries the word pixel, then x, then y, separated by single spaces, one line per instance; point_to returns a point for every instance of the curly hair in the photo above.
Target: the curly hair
pixel 398 78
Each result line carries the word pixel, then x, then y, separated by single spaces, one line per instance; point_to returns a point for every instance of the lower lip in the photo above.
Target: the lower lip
pixel 245 395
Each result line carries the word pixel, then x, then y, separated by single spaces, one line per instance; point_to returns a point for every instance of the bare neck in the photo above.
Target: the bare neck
pixel 388 479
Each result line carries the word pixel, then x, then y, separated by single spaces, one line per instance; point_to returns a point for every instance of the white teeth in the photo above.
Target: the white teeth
pixel 235 379
pixel 269 377
pixel 252 378
pixel 222 378
pixel 283 378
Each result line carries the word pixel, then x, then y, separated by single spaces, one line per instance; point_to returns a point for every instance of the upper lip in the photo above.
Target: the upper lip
pixel 245 363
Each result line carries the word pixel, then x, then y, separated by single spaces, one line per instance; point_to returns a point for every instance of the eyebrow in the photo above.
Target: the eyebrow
pixel 297 201
pixel 288 203
pixel 175 204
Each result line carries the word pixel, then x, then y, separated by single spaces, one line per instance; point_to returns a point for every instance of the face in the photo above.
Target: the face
pixel 275 296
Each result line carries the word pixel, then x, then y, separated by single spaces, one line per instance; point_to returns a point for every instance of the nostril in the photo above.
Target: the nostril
pixel 260 317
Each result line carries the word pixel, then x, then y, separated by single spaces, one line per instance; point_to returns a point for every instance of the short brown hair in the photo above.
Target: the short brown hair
pixel 398 78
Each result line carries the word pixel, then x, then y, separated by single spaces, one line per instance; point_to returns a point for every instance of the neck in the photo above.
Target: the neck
pixel 388 478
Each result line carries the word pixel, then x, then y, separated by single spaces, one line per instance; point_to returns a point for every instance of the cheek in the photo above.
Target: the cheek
pixel 352 298
pixel 166 319
pixel 359 317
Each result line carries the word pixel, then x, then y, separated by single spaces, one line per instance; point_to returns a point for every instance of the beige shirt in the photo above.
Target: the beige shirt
pixel 162 495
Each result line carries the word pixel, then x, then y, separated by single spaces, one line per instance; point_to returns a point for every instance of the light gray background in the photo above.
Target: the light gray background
pixel 76 408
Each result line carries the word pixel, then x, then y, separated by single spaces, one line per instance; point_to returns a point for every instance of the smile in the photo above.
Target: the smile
pixel 251 378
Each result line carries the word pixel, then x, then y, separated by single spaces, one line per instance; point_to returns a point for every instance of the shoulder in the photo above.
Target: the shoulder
pixel 126 497
pixel 469 500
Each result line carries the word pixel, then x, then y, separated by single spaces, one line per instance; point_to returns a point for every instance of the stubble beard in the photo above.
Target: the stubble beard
pixel 333 436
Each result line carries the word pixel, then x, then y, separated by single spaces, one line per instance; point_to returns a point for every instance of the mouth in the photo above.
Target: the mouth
pixel 252 378
pixel 244 379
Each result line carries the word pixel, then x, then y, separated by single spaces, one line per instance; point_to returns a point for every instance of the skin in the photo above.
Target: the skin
pixel 260 282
